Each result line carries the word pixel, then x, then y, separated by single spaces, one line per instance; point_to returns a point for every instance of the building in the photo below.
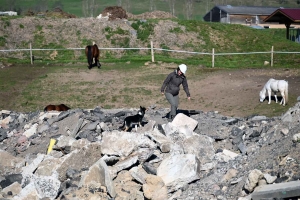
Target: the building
pixel 239 14
pixel 288 17
pixel 8 13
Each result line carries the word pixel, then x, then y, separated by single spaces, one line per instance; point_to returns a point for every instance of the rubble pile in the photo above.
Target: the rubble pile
pixel 81 154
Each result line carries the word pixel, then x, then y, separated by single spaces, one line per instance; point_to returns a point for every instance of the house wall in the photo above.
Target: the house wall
pixel 10 13
pixel 214 15
pixel 217 15
pixel 246 19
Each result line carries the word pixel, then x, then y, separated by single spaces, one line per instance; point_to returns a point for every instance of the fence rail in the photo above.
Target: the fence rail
pixel 213 54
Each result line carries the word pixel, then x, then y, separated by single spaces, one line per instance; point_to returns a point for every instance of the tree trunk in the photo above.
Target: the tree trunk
pixel 172 6
pixel 127 6
pixel 119 2
pixel 152 5
pixel 189 9
pixel 89 8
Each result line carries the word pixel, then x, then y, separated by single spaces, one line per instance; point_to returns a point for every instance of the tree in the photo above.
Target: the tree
pixel 152 5
pixel 89 8
pixel 41 6
pixel 172 6
pixel 58 4
pixel 282 1
pixel 119 2
pixel 189 9
pixel 11 4
pixel 127 6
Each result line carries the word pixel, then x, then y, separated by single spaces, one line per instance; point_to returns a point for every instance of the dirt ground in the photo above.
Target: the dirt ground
pixel 236 92
pixel 230 92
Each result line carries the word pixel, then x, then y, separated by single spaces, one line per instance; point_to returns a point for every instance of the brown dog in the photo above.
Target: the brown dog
pixel 61 107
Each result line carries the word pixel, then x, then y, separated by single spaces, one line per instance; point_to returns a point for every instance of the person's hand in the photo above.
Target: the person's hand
pixel 162 93
pixel 189 98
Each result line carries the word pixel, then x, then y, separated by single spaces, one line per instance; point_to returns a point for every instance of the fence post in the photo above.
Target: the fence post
pixel 152 53
pixel 272 55
pixel 213 57
pixel 31 60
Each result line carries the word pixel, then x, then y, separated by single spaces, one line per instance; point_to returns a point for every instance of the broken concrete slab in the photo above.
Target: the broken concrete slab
pixel 280 190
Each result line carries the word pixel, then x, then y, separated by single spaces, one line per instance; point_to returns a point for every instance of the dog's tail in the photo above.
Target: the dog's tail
pixel 286 92
pixel 122 127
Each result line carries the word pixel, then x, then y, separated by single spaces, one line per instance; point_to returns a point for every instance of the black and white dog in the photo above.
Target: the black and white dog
pixel 134 119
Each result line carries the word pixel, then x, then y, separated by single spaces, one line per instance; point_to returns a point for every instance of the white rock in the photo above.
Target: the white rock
pixel 179 170
pixel 31 131
pixel 270 179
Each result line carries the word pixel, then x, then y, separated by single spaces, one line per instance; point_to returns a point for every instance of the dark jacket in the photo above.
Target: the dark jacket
pixel 172 83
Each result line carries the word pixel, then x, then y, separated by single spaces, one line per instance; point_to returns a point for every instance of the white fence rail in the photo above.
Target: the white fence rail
pixel 212 54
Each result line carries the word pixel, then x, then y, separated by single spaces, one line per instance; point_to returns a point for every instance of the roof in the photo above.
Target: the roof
pixel 284 15
pixel 250 10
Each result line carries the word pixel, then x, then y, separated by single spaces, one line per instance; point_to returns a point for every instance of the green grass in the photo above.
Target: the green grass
pixel 2 40
pixel 223 38
pixel 273 109
pixel 144 29
pixel 200 8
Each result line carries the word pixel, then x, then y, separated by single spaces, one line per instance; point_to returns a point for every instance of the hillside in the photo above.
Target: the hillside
pixel 174 34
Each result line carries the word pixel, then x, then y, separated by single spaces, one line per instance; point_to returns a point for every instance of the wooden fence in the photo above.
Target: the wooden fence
pixel 213 54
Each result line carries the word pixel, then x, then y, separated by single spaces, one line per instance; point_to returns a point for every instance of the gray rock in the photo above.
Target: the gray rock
pixel 3 134
pixel 10 179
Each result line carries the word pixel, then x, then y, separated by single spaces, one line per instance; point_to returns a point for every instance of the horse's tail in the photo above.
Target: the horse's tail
pixel 286 92
pixel 89 55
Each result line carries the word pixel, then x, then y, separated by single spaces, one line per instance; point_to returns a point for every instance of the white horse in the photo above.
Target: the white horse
pixel 275 86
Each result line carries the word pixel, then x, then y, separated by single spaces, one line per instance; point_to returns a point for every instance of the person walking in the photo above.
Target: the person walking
pixel 170 88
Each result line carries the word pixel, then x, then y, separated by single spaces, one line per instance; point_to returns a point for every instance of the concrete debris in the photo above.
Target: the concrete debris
pixel 199 155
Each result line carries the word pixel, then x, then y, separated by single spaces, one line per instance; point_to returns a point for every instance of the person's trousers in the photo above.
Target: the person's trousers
pixel 173 100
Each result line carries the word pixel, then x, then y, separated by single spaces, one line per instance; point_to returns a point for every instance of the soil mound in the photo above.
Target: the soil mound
pixel 56 12
pixel 114 12
pixel 152 15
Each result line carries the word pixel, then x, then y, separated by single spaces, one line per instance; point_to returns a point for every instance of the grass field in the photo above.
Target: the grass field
pixel 200 8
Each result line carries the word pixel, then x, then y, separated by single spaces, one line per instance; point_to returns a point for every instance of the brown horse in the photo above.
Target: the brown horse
pixel 92 52
pixel 61 107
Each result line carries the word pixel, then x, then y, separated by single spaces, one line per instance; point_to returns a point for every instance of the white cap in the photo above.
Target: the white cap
pixel 183 68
